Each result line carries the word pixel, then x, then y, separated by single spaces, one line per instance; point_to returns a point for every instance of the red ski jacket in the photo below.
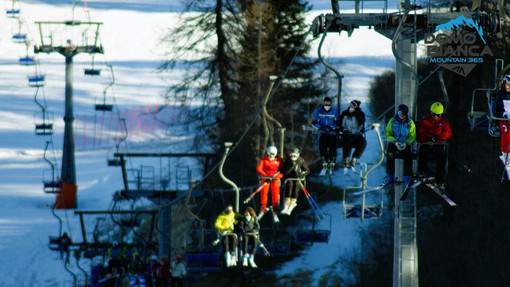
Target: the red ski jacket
pixel 267 167
pixel 430 128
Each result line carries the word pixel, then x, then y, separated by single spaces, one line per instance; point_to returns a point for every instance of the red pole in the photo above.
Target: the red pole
pixel 147 110
pixel 154 118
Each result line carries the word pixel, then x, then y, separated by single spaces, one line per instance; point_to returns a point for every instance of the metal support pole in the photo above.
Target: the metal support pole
pixel 68 162
pixel 228 181
pixel 165 222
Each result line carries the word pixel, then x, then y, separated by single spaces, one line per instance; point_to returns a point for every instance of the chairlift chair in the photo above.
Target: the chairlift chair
pixel 26 61
pixel 36 81
pixel 363 210
pixel 92 71
pixel 43 123
pixel 51 184
pixel 19 37
pixel 104 106
pixel 12 13
pixel 312 235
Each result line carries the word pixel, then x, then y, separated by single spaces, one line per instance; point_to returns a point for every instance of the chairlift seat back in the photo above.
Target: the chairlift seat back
pixel 203 262
pixel 92 72
pixel 26 61
pixel 305 236
pixel 103 107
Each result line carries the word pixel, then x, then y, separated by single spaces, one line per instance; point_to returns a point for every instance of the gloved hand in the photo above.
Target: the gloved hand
pixel 434 139
pixel 224 232
pixel 303 174
pixel 400 146
pixel 325 128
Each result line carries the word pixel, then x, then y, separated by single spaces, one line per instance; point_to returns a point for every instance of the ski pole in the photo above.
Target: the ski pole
pixel 255 192
pixel 312 202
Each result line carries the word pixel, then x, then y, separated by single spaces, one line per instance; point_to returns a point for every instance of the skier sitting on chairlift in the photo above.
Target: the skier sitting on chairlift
pixel 250 227
pixel 352 124
pixel 400 134
pixel 325 119
pixel 294 168
pixel 225 225
pixel 503 111
pixel 434 130
pixel 268 169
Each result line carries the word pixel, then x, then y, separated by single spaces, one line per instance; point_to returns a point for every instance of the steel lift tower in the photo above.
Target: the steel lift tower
pixel 405 28
pixel 67 198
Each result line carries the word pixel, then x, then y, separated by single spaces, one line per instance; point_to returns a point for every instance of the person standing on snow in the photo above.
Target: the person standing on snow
pixel 503 111
pixel 325 119
pixel 178 271
pixel 434 130
pixel 400 134
pixel 250 227
pixel 225 225
pixel 268 169
pixel 352 125
pixel 293 168
pixel 64 242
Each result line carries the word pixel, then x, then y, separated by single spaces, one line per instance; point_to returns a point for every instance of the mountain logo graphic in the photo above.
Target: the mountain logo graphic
pixel 458 45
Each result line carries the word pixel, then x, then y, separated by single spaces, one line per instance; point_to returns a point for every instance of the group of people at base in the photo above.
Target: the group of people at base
pixel 126 265
pixel 432 133
pixel 230 225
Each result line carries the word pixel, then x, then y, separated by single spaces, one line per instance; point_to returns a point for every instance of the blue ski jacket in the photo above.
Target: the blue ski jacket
pixel 322 119
pixel 401 130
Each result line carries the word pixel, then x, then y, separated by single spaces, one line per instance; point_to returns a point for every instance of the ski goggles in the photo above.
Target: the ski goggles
pixel 436 115
pixel 294 156
pixel 353 104
pixel 401 113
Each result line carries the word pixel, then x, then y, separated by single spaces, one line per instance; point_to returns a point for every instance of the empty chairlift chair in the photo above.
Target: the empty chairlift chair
pixel 312 234
pixel 26 61
pixel 36 81
pixel 43 123
pixel 363 210
pixel 12 13
pixel 51 184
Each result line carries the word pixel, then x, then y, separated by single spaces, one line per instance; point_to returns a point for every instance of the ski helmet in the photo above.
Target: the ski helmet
pixel 506 79
pixel 437 108
pixel 272 152
pixel 402 109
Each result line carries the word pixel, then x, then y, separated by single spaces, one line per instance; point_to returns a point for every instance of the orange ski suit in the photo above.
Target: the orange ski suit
pixel 269 168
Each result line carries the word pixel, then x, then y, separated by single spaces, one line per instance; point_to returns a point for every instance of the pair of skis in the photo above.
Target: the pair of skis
pixel 327 169
pixel 429 182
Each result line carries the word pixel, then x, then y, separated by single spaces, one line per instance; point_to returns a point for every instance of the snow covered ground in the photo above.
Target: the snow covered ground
pixel 130 36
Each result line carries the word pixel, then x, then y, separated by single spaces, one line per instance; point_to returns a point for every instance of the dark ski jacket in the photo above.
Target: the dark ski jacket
pixel 347 118
pixel 250 226
pixel 502 101
pixel 429 128
pixel 293 169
